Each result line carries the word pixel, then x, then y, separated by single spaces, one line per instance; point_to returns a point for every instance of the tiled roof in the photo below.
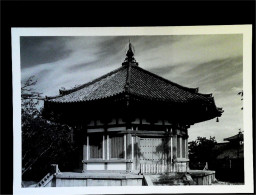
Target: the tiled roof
pixel 237 137
pixel 146 84
pixel 231 152
pixel 106 86
pixel 140 83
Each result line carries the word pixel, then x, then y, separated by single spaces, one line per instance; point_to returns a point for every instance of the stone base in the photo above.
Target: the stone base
pixel 192 177
pixel 97 178
pixel 202 177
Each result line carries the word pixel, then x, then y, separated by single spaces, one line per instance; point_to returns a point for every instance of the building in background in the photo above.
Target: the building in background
pixel 229 163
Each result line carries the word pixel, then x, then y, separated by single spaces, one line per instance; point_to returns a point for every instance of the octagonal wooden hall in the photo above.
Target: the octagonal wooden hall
pixel 131 120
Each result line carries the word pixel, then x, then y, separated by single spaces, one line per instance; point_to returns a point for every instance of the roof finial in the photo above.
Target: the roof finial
pixel 130 55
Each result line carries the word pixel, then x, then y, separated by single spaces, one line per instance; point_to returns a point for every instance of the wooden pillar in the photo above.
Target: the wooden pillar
pixel 105 144
pixel 108 147
pixel 129 151
pixel 174 149
pixel 85 153
pixel 104 150
pixel 174 146
pixel 136 153
pixel 181 154
pixel 125 147
pixel 103 147
pixel 84 157
pixel 133 153
pixel 169 154
pixel 187 147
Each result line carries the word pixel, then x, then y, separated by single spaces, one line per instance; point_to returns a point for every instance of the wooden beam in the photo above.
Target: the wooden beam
pixel 147 132
pixel 108 161
pixel 98 130
pixel 116 129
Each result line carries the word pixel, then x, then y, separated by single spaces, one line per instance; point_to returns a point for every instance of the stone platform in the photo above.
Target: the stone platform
pixel 203 177
pixel 192 177
pixel 96 178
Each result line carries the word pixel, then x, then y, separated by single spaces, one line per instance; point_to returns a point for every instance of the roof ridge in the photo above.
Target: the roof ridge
pixel 65 92
pixel 128 78
pixel 193 90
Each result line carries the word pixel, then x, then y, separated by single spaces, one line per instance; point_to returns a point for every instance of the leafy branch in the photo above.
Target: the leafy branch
pixel 43 142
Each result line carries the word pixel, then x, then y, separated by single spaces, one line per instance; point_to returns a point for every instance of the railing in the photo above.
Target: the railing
pixel 153 168
pixel 181 167
pixel 45 180
pixel 163 168
pixel 54 171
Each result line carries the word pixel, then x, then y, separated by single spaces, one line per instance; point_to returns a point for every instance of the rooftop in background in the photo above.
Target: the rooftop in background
pixel 237 137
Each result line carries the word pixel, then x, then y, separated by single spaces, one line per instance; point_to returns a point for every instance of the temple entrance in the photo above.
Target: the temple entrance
pixel 153 158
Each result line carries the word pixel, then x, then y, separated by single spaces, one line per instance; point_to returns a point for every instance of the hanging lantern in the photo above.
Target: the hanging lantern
pixel 217 120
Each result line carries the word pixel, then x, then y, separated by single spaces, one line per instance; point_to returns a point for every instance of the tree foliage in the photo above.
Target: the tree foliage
pixel 43 142
pixel 202 150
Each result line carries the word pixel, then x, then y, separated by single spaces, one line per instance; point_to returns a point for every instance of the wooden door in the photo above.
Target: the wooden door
pixel 153 158
pixel 152 151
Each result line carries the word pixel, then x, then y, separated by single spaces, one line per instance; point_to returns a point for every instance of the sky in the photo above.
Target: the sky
pixel 214 63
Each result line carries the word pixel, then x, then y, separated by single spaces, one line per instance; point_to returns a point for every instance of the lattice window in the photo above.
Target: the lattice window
pixel 95 144
pixel 117 147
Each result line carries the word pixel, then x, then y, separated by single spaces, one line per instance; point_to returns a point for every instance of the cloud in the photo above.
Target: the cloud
pixel 40 50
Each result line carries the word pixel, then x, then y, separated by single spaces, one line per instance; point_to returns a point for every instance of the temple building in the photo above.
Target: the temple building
pixel 229 163
pixel 130 121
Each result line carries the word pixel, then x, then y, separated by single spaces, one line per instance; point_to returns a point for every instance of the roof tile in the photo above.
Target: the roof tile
pixel 142 83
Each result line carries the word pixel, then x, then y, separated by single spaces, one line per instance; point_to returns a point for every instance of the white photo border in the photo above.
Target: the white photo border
pixel 246 30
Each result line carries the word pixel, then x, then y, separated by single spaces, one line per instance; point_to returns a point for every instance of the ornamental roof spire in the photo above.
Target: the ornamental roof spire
pixel 130 60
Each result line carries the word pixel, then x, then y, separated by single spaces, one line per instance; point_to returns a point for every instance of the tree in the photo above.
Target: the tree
pixel 202 150
pixel 43 142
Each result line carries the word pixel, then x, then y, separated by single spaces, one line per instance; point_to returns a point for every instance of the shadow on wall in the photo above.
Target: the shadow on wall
pixel 137 150
pixel 162 152
pixel 165 151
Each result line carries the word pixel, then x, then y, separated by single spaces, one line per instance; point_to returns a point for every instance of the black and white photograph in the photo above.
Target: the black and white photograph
pixel 155 107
